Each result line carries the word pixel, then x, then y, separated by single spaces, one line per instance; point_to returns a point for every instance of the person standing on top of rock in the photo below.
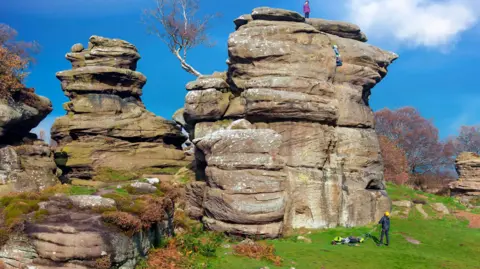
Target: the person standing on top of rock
pixel 385 222
pixel 306 9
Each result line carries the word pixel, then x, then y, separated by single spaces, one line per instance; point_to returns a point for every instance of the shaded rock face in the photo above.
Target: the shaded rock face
pixel 26 163
pixel 27 167
pixel 107 125
pixel 283 76
pixel 467 187
pixel 72 238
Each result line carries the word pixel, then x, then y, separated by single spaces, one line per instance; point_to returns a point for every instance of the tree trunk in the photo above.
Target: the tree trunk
pixel 186 66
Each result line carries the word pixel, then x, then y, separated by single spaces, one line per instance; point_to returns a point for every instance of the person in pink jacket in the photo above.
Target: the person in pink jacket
pixel 306 9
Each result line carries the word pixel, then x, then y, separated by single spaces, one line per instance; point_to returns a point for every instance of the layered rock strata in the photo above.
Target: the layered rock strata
pixel 26 163
pixel 467 187
pixel 283 76
pixel 107 124
pixel 74 236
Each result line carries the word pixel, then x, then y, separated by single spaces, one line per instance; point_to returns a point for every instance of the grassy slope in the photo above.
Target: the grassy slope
pixel 445 243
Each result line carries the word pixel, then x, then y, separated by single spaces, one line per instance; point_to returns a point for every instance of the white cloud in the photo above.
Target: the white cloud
pixel 428 23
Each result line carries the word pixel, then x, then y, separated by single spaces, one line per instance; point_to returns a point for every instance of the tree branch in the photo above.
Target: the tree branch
pixel 186 66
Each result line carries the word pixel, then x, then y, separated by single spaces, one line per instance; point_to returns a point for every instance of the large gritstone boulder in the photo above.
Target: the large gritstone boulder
pixel 107 125
pixel 283 76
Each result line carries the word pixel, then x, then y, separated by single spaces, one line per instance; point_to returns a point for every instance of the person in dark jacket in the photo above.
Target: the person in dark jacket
pixel 385 222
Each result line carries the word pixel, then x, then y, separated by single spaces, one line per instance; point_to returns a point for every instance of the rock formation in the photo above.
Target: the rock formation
pixel 26 163
pixel 107 125
pixel 74 235
pixel 468 185
pixel 282 77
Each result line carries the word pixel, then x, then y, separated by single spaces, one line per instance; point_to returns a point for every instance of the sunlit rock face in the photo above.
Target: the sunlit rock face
pixel 321 165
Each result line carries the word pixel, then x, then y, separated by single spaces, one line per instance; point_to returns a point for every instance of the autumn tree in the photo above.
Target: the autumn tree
pixel 15 58
pixel 417 137
pixel 394 160
pixel 175 22
pixel 468 139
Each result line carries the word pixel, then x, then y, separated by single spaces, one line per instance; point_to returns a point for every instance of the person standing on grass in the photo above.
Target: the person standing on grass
pixel 306 9
pixel 385 222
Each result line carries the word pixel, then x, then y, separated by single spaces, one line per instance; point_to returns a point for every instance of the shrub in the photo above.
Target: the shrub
pixel 153 212
pixel 198 241
pixel 16 209
pixel 103 262
pixel 125 221
pixel 258 251
pixel 142 264
pixel 40 215
pixel 167 258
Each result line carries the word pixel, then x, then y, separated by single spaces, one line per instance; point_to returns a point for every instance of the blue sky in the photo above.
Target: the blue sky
pixel 437 42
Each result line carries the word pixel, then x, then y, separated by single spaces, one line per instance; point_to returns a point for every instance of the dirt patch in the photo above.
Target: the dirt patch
pixel 473 219
pixel 411 240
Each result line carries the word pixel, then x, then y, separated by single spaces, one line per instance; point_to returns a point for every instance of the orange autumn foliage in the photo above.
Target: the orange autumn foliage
pixel 394 161
pixel 258 251
pixel 15 58
pixel 166 258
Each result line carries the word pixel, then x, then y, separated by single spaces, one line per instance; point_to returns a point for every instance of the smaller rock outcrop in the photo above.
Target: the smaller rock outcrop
pixel 26 163
pixel 245 189
pixel 467 187
pixel 72 232
pixel 107 125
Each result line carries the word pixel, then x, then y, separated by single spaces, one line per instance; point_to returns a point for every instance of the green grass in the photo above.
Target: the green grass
pixel 446 242
pixel 111 175
pixel 81 190
pixel 399 192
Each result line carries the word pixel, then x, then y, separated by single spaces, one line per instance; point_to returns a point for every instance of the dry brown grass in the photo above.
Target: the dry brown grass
pixel 167 258
pixel 258 251
pixel 103 262
pixel 125 221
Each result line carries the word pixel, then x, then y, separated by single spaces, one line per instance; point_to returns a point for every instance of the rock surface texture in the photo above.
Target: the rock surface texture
pixel 26 163
pixel 311 158
pixel 107 125
pixel 468 185
pixel 72 237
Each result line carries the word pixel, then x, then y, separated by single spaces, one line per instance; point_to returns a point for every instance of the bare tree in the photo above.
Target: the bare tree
pixel 174 22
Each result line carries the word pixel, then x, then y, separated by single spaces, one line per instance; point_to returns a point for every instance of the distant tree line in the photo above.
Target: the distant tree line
pixel 413 152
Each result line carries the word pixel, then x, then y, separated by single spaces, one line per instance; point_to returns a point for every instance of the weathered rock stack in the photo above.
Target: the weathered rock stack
pixel 107 125
pixel 468 185
pixel 283 76
pixel 26 163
